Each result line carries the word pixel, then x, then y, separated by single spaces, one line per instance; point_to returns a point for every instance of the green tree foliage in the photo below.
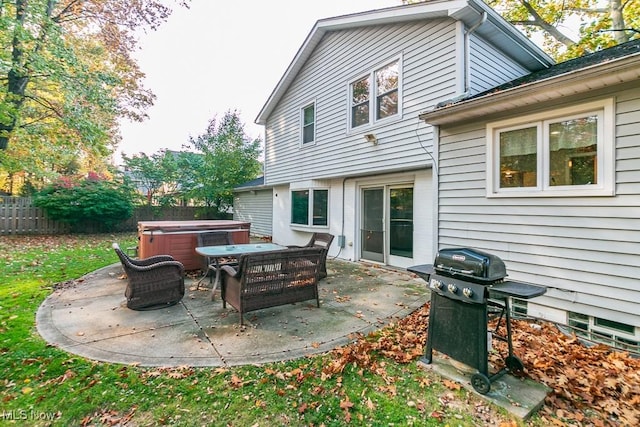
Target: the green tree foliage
pixel 156 175
pixel 86 204
pixel 571 28
pixel 225 158
pixel 67 77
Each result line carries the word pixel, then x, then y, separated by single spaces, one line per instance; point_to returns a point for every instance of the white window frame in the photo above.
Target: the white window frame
pixel 609 335
pixel 309 224
pixel 605 186
pixel 302 124
pixel 373 89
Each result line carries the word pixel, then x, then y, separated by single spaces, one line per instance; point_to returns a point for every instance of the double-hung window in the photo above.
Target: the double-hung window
pixel 308 119
pixel 568 152
pixel 310 207
pixel 375 96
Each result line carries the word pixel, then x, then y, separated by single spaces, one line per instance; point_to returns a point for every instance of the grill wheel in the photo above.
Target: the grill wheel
pixel 514 364
pixel 480 383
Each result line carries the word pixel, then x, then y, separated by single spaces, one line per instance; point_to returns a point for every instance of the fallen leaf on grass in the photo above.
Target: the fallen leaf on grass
pixel 437 415
pixel 346 403
pixel 451 385
pixel 370 405
pixel 236 381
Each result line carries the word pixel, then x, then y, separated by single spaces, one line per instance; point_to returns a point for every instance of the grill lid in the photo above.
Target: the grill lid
pixel 471 264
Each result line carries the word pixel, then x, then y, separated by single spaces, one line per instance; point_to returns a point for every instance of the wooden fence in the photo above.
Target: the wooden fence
pixel 18 215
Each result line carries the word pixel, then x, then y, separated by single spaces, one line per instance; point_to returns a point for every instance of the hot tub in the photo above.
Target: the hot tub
pixel 179 238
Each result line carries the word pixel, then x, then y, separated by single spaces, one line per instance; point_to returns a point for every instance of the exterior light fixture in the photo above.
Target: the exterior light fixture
pixel 369 137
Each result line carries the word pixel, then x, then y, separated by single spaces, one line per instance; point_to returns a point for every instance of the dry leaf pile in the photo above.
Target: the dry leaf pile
pixel 590 385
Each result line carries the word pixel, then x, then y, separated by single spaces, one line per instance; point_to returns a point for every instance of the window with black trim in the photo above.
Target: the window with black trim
pixel 310 207
pixel 309 124
pixel 381 87
pixel 559 153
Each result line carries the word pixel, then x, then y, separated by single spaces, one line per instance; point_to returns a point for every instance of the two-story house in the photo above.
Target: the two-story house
pixel 345 151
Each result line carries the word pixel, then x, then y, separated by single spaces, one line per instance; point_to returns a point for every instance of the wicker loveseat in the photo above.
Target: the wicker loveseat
pixel 268 279
pixel 153 282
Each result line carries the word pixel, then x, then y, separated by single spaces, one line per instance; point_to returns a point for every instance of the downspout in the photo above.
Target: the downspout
pixel 467 33
pixel 466 86
pixel 435 227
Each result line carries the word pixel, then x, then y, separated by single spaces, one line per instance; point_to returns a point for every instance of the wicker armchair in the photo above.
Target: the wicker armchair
pixel 319 240
pixel 153 282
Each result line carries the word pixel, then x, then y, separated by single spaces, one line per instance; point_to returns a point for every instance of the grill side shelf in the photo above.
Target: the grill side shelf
pixel 422 270
pixel 516 289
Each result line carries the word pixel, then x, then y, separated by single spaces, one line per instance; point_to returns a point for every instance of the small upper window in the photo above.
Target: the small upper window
pixel 381 86
pixel 309 124
pixel 564 152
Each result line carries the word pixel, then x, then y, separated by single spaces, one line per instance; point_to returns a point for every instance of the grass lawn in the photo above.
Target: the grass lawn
pixel 361 384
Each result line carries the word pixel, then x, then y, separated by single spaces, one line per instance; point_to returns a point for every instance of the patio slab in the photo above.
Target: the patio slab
pixel 519 396
pixel 89 317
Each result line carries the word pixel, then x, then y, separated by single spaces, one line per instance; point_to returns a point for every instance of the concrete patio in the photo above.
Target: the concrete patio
pixel 89 318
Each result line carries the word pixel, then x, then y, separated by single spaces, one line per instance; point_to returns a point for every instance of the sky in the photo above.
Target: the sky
pixel 218 56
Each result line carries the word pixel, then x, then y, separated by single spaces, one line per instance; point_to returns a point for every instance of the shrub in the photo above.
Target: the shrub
pixel 91 204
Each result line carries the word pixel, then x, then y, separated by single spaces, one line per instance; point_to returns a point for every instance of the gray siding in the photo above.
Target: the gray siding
pixel 586 250
pixel 430 73
pixel 489 67
pixel 428 58
pixel 257 208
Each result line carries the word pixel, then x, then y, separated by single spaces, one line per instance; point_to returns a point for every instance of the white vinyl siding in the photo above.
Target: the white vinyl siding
pixel 489 67
pixel 584 249
pixel 430 66
pixel 255 207
pixel 428 55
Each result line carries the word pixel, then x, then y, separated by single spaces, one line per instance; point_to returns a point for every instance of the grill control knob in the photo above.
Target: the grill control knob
pixel 452 288
pixel 468 292
pixel 436 284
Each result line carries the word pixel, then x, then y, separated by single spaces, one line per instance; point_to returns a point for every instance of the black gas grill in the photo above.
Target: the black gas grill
pixel 467 286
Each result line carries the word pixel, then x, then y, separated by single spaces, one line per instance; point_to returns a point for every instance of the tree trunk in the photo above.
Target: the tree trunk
pixel 617 21
pixel 550 29
pixel 17 78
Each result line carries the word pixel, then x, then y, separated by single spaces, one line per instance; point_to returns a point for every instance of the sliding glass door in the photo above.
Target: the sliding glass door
pixel 387 225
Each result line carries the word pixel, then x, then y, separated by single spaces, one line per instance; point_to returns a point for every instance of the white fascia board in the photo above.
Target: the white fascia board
pixel 394 15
